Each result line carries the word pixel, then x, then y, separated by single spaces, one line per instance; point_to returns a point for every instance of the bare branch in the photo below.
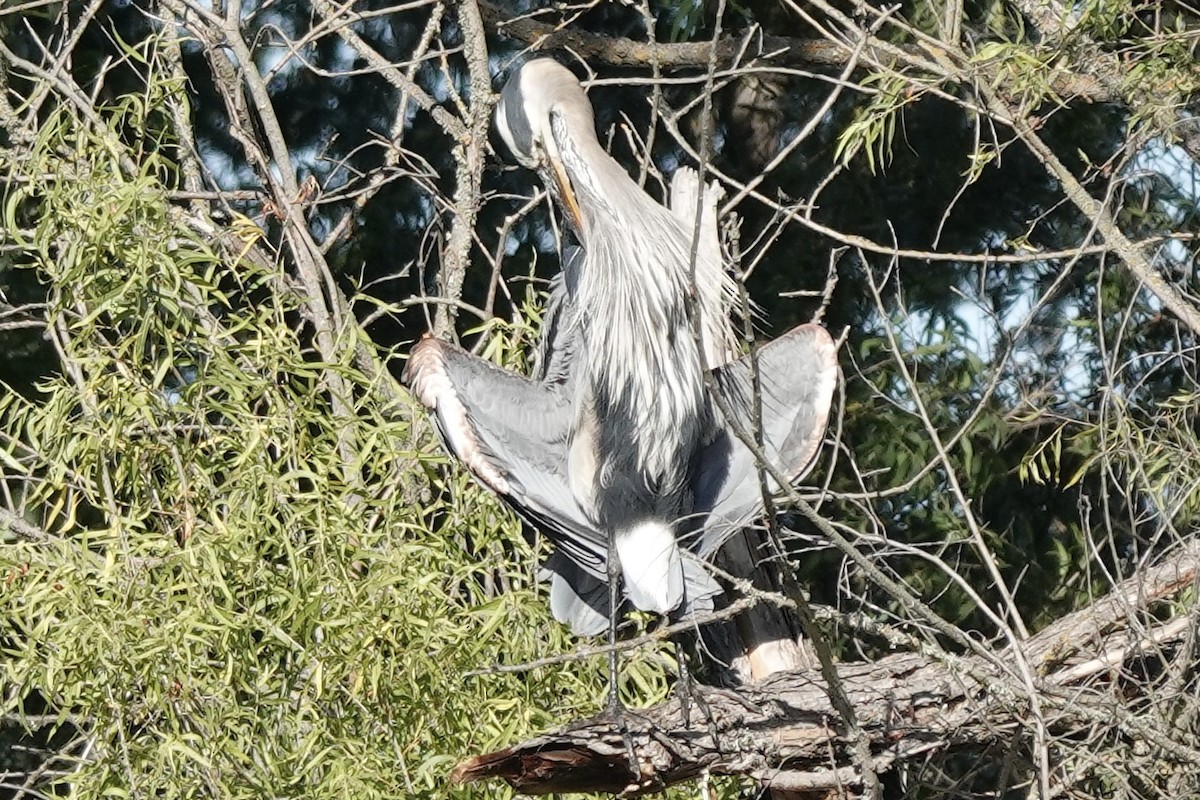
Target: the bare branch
pixel 786 731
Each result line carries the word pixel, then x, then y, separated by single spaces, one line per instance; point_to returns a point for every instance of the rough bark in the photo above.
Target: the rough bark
pixel 618 51
pixel 785 732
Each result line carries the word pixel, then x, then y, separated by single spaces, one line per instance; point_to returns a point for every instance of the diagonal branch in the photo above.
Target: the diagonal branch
pixel 786 734
pixel 1133 256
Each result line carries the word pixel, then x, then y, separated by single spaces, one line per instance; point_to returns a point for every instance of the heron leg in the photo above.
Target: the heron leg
pixel 615 709
pixel 614 597
pixel 686 688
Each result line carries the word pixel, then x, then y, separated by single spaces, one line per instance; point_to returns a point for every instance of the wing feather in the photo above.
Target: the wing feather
pixel 511 433
pixel 797 375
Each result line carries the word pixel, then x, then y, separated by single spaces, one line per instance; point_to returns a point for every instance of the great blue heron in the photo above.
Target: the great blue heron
pixel 617 451
pixel 641 413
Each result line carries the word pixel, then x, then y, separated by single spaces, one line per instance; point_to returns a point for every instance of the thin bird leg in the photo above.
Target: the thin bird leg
pixel 688 695
pixel 614 596
pixel 684 688
pixel 615 710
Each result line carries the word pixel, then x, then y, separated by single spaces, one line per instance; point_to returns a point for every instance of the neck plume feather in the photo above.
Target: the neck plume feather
pixel 633 295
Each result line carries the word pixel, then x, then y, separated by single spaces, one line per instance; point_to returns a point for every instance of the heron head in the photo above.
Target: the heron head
pixel 542 106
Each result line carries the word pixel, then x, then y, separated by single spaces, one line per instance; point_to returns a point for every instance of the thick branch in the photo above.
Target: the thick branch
pixel 786 733
pixel 15 525
pixel 619 51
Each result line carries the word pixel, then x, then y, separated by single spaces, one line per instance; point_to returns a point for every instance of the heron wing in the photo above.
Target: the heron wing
pixel 577 598
pixel 511 433
pixel 558 344
pixel 716 291
pixel 797 375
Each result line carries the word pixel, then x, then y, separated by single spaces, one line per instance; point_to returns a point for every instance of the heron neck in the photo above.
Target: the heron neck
pixel 632 294
pixel 600 184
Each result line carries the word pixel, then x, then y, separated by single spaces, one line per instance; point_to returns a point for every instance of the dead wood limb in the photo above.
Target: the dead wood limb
pixel 785 730
pixel 784 724
pixel 785 51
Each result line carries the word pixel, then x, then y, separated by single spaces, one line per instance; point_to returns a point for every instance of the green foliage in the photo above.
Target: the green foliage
pixel 1157 51
pixel 1104 19
pixel 1154 452
pixel 1033 543
pixel 684 20
pixel 873 129
pixel 1020 71
pixel 240 587
pixel 1044 463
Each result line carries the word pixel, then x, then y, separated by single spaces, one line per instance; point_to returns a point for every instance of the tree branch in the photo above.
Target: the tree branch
pixel 785 733
pixel 468 174
pixel 618 51
pixel 1134 258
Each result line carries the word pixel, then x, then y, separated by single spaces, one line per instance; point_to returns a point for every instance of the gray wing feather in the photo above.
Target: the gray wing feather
pixel 701 588
pixel 558 344
pixel 797 373
pixel 581 600
pixel 511 433
pixel 576 597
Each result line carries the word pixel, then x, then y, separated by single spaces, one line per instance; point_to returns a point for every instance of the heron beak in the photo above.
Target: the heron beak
pixel 566 193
